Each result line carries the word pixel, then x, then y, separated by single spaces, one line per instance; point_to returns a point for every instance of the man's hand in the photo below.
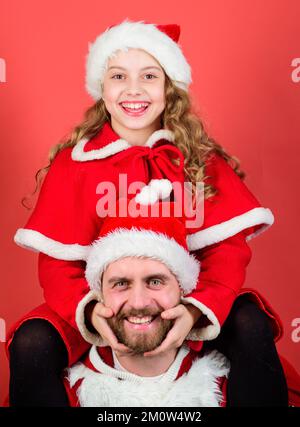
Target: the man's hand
pixel 185 317
pixel 98 317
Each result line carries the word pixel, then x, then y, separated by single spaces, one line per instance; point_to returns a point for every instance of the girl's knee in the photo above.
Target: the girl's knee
pixel 249 322
pixel 34 337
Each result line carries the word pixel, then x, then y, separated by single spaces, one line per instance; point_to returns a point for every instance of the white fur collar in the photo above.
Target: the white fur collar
pixel 114 147
pixel 197 387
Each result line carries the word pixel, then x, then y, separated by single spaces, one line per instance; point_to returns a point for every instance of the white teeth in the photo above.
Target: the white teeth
pixel 134 106
pixel 140 320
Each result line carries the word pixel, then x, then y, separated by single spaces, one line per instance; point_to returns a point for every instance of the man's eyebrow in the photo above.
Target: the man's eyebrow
pixel 117 279
pixel 157 276
pixel 150 276
pixel 144 68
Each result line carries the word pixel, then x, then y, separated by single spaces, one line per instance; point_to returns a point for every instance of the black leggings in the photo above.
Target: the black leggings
pixel 38 356
pixel 256 377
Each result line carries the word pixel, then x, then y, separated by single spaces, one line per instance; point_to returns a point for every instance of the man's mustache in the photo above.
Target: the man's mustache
pixel 139 313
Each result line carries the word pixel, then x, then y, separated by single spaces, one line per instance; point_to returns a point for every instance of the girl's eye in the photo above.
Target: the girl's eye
pixel 116 76
pixel 151 75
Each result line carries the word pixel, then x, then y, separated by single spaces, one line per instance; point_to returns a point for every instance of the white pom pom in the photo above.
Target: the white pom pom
pixel 147 196
pixel 155 190
pixel 163 187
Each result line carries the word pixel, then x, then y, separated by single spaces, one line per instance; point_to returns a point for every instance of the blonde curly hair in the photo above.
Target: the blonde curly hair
pixel 179 117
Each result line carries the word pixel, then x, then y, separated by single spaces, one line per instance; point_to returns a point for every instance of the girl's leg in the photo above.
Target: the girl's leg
pixel 256 376
pixel 37 357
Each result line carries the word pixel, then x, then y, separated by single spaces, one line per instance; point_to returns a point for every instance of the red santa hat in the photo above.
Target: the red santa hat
pixel 145 226
pixel 160 41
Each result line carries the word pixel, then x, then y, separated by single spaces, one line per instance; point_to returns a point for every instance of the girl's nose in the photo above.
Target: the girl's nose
pixel 133 87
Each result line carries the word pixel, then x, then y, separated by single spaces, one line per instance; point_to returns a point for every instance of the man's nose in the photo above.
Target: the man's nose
pixel 139 297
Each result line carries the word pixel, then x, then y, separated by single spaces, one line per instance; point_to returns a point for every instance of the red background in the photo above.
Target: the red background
pixel 241 54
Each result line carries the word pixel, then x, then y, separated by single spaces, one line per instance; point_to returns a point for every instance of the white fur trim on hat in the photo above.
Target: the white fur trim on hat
pixel 140 36
pixel 123 243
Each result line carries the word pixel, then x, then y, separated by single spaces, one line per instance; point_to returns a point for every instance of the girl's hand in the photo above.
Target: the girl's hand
pixel 185 317
pixel 98 318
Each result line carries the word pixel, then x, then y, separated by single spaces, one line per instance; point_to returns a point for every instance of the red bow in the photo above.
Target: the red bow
pixel 158 158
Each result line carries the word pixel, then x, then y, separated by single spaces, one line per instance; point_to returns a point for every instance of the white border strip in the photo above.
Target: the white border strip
pixel 229 228
pixel 78 154
pixel 208 332
pixel 37 242
pixel 90 337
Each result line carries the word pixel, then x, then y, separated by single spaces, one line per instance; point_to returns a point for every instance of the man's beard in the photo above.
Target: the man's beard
pixel 140 341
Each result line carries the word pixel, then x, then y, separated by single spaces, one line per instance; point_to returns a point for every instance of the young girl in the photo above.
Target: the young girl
pixel 142 126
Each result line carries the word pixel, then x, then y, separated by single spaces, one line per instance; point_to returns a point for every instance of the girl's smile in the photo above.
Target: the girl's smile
pixel 134 108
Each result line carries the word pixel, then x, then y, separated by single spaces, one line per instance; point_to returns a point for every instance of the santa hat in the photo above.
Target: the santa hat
pixel 160 41
pixel 147 227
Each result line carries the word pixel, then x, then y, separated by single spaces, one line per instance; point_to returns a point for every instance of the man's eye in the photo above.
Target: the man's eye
pixel 120 284
pixel 155 282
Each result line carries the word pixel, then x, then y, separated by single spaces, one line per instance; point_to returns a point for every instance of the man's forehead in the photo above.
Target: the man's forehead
pixel 142 265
